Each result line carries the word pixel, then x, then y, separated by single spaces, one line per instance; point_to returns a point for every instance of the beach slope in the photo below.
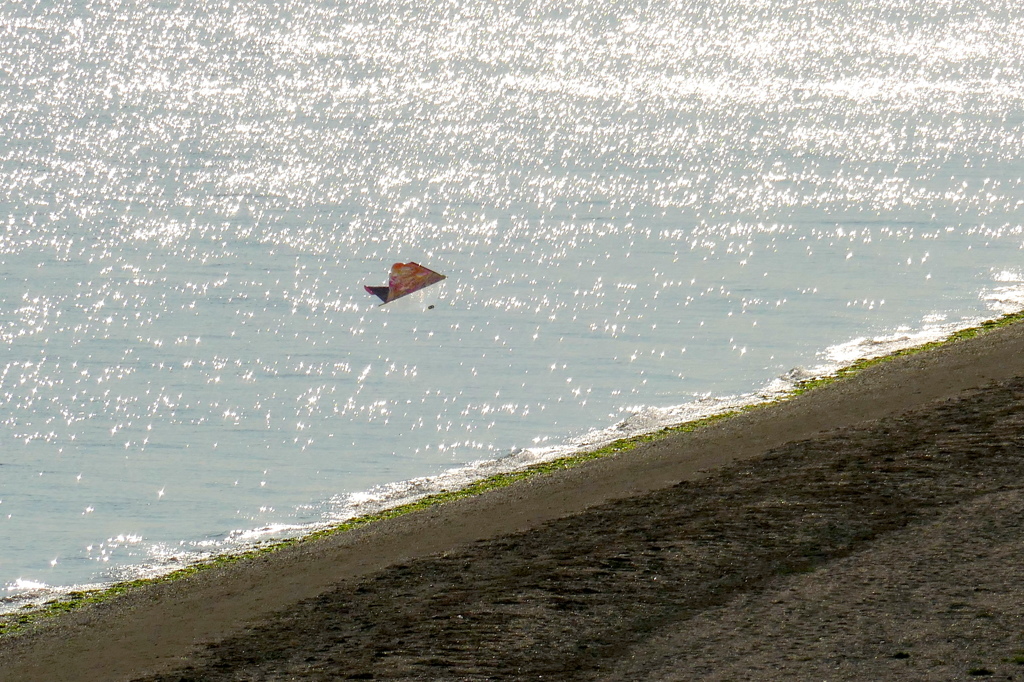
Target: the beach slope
pixel 868 529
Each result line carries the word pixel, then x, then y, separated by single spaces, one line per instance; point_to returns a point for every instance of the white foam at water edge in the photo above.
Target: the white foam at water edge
pixel 24 594
pixel 1006 299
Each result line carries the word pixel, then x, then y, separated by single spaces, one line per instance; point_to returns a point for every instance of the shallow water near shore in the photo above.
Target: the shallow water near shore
pixel 645 215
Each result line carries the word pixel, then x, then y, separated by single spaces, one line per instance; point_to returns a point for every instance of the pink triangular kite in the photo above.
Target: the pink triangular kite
pixel 405 279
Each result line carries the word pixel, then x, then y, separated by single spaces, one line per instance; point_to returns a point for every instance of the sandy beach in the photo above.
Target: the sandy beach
pixel 866 530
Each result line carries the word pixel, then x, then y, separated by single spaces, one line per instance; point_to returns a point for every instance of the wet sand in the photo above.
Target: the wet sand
pixel 870 529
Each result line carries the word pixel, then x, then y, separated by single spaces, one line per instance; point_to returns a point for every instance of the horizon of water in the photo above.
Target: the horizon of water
pixel 646 213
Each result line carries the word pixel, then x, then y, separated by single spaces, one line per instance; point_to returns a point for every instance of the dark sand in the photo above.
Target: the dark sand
pixel 869 530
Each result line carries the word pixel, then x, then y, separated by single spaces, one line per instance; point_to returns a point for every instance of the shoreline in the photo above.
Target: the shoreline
pixel 251 590
pixel 24 609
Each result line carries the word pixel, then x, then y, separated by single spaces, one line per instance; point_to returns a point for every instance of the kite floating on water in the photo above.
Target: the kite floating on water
pixel 405 279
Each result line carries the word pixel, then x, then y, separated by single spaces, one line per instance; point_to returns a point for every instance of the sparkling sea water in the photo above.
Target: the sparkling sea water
pixel 646 211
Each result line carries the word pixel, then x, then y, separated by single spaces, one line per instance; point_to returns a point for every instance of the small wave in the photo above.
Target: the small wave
pixel 1005 299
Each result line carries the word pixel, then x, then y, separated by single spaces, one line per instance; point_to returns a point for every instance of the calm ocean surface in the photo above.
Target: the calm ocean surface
pixel 645 210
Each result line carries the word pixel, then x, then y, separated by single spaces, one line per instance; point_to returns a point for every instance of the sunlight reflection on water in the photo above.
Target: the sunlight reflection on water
pixel 636 206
